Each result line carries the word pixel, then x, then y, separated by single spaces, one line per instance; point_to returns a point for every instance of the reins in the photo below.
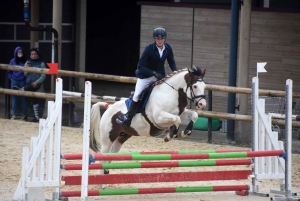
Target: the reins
pixel 192 92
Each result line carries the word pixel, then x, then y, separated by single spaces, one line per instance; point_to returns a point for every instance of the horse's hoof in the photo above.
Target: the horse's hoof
pixel 104 186
pixel 187 132
pixel 181 136
pixel 167 138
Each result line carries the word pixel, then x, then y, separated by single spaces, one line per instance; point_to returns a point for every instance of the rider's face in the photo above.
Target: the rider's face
pixel 160 41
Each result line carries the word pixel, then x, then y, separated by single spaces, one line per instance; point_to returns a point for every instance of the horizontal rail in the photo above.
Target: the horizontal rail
pixel 241 117
pixel 181 189
pixel 124 79
pixel 79 156
pixel 159 177
pixel 97 99
pixel 184 151
pixel 129 157
pixel 187 156
pixel 92 76
pixel 158 164
pixel 81 95
pixel 49 96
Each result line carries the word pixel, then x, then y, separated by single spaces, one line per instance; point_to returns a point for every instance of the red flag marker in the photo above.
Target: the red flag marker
pixel 53 69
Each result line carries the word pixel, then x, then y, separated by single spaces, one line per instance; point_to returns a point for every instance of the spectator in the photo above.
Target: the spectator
pixel 18 79
pixel 34 80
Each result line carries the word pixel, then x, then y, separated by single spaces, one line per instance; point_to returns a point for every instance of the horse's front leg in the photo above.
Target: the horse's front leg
pixel 172 134
pixel 186 115
pixel 166 118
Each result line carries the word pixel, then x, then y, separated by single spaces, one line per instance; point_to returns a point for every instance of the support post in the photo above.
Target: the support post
pixel 234 28
pixel 55 35
pixel 86 142
pixel 241 133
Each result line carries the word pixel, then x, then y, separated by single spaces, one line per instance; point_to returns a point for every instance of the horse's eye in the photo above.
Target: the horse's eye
pixel 195 87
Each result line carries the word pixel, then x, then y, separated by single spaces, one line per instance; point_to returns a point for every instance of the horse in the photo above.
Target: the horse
pixel 164 112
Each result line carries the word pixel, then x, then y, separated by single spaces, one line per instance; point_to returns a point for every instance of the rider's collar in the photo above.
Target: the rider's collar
pixel 162 48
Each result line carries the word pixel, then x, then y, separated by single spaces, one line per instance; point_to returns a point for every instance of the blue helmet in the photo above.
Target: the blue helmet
pixel 159 33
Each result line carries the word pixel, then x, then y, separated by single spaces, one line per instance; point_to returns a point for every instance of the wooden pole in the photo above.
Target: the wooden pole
pixel 93 76
pixel 240 117
pixel 124 79
pixel 49 96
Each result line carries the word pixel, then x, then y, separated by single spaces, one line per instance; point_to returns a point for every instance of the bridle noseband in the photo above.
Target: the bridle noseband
pixel 193 96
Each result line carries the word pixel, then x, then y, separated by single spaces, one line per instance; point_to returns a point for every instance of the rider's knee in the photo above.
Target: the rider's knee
pixel 135 98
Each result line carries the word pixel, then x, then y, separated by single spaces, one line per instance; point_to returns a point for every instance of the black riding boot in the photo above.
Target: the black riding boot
pixel 125 119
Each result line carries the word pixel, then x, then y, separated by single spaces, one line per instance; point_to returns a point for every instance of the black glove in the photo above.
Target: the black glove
pixel 158 75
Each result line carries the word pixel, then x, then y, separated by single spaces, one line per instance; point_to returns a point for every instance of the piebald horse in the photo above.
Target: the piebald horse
pixel 164 111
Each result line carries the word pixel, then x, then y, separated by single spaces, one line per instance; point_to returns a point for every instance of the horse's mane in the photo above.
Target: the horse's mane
pixel 158 82
pixel 195 70
pixel 174 73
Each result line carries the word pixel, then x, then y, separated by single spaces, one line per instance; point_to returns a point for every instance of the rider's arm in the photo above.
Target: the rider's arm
pixel 142 64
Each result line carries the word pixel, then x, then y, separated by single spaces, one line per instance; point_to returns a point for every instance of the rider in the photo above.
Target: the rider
pixel 150 68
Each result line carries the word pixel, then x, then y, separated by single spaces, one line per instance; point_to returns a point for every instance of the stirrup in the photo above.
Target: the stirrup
pixel 121 119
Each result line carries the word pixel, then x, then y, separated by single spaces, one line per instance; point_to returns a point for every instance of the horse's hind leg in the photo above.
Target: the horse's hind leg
pixel 115 147
pixel 105 149
pixel 117 144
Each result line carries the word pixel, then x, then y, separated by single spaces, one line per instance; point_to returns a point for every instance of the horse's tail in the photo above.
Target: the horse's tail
pixel 95 128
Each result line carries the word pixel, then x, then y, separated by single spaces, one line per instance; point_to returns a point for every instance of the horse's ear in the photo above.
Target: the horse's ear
pixel 203 73
pixel 192 70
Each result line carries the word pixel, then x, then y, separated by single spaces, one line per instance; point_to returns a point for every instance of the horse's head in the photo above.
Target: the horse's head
pixel 196 86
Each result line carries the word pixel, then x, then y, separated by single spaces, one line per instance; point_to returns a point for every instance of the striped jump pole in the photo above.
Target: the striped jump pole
pixel 131 191
pixel 159 177
pixel 184 151
pixel 158 164
pixel 79 156
pixel 129 157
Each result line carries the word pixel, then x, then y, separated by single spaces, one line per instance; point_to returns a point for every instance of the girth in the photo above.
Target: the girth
pixel 143 112
pixel 154 130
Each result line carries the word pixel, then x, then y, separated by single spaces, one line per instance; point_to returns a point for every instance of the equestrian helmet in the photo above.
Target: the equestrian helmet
pixel 159 33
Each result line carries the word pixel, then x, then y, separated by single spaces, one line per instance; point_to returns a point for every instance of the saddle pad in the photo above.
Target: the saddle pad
pixel 145 96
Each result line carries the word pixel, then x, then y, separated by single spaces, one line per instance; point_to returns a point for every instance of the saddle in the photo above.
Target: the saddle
pixel 143 99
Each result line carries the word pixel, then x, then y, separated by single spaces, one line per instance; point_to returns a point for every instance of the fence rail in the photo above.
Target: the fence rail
pixel 124 79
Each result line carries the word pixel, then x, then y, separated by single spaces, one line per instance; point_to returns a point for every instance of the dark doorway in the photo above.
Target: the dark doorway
pixel 113 34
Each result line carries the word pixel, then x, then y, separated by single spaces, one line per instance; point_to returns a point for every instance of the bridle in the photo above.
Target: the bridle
pixel 193 96
pixel 190 85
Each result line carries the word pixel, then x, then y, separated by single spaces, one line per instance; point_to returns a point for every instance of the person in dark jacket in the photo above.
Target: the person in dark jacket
pixel 18 79
pixel 150 68
pixel 34 80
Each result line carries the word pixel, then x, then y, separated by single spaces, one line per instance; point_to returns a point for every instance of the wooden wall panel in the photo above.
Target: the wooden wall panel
pixel 178 24
pixel 205 42
pixel 275 39
pixel 211 49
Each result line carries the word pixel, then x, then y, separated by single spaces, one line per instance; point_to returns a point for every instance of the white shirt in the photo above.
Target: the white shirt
pixel 161 50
